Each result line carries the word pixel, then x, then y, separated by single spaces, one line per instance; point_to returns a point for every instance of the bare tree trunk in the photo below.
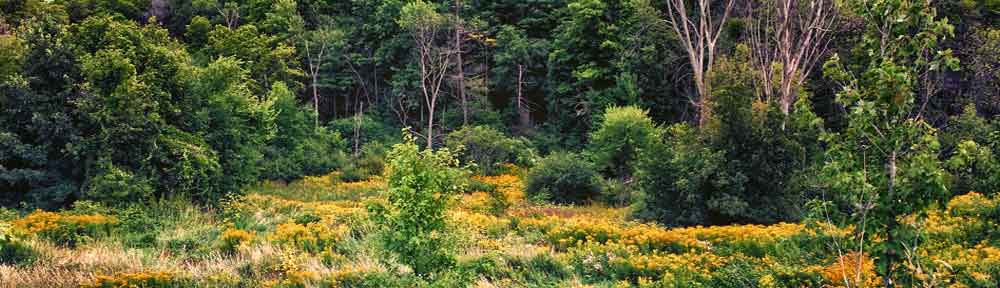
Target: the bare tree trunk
pixel 315 100
pixel 460 73
pixel 699 37
pixel 357 128
pixel 792 34
pixel 522 108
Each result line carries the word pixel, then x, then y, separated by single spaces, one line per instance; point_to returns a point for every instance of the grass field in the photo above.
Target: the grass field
pixel 316 233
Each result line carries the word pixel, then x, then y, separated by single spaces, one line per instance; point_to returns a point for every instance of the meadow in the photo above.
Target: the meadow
pixel 315 232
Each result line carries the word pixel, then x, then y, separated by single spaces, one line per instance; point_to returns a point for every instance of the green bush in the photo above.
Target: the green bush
pixel 617 141
pixel 563 178
pixel 370 162
pixel 299 148
pixel 422 183
pixel 488 148
pixel 13 251
pixel 115 185
pixel 684 182
pixel 971 146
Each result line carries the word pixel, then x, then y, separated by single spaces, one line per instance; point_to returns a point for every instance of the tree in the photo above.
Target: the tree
pixel 425 26
pixel 517 57
pixel 885 162
pixel 422 184
pixel 460 65
pixel 787 39
pixel 699 35
pixel 618 140
pixel 316 44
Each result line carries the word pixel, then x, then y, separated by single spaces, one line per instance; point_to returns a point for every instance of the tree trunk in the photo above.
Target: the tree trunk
pixel 460 73
pixel 522 109
pixel 315 100
pixel 430 128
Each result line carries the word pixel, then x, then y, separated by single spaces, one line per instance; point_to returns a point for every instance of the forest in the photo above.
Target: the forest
pixel 500 143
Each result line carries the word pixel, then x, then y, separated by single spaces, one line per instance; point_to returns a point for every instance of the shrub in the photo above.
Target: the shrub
pixel 312 237
pixel 232 239
pixel 684 182
pixel 974 167
pixel 972 143
pixel 563 178
pixel 370 162
pixel 488 148
pixel 115 185
pixel 13 251
pixel 299 148
pixel 64 229
pixel 421 187
pixel 616 142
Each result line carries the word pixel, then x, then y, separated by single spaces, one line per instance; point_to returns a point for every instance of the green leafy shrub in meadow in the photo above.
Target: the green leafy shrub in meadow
pixel 65 229
pixel 13 250
pixel 422 183
pixel 299 148
pixel 617 141
pixel 489 148
pixel 683 181
pixel 971 144
pixel 563 178
pixel 369 162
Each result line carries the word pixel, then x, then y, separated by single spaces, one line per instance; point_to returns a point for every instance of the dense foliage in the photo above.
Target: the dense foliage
pixel 585 141
pixel 421 186
pixel 563 178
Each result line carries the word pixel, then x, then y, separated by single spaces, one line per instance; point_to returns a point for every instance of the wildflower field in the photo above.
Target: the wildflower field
pixel 316 232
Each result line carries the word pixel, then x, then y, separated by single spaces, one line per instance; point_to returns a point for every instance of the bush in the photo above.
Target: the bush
pixel 971 144
pixel 421 187
pixel 13 251
pixel 115 185
pixel 616 143
pixel 488 148
pixel 65 229
pixel 370 162
pixel 684 182
pixel 563 178
pixel 232 239
pixel 299 148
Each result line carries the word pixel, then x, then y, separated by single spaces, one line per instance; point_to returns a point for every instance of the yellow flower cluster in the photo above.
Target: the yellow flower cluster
pixel 137 279
pixel 737 233
pixel 312 237
pixel 509 185
pixel 981 257
pixel 63 228
pixel 361 186
pixel 321 182
pixel 232 239
pixel 972 204
pixel 335 211
pixel 851 270
pixel 40 222
pixel 625 262
pixel 478 222
pixel 569 232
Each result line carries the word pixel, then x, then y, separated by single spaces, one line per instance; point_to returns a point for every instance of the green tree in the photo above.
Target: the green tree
pixel 618 140
pixel 885 162
pixel 563 178
pixel 684 181
pixel 298 148
pixel 488 148
pixel 422 184
pixel 234 122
